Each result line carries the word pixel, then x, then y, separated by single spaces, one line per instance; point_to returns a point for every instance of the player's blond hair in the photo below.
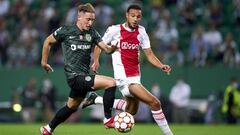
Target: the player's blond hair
pixel 86 8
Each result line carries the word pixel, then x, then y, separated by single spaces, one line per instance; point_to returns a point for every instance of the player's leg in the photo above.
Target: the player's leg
pixel 109 85
pixel 141 93
pixel 132 105
pixel 119 104
pixel 76 96
pixel 62 115
pixel 94 98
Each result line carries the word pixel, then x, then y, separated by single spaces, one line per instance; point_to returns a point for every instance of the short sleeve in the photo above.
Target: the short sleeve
pixel 108 35
pixel 97 37
pixel 144 39
pixel 59 34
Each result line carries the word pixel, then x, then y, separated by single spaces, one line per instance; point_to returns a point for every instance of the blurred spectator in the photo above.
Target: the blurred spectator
pixel 236 13
pixel 213 108
pixel 4 41
pixel 179 97
pixel 198 50
pixel 213 38
pixel 104 14
pixel 48 98
pixel 186 12
pixel 174 56
pixel 71 14
pixel 16 55
pixel 215 13
pixel 54 22
pixel 166 32
pixel 32 48
pixel 4 7
pixel 231 102
pixel 58 59
pixel 229 51
pixel 28 31
pixel 157 7
pixel 16 23
pixel 18 9
pixel 156 91
pixel 143 113
pixel 29 99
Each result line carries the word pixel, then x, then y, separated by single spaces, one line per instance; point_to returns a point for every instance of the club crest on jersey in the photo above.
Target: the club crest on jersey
pixel 88 37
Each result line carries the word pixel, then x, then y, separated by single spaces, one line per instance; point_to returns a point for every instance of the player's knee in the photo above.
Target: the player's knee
pixel 155 104
pixel 73 105
pixel 111 83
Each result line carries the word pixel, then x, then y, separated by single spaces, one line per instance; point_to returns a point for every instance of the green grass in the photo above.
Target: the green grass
pixel 139 129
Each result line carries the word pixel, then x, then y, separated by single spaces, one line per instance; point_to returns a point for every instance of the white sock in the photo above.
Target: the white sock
pixel 98 100
pixel 120 104
pixel 160 119
pixel 48 128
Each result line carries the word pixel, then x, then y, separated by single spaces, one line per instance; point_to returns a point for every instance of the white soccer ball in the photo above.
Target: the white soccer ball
pixel 124 122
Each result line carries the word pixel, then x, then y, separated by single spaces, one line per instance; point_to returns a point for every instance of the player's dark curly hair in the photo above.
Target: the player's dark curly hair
pixel 134 6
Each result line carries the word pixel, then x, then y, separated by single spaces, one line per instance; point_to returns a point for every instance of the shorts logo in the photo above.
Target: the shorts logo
pixel 88 37
pixel 88 78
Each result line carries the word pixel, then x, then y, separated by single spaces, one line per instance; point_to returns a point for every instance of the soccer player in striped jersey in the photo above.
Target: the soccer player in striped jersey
pixel 78 41
pixel 131 37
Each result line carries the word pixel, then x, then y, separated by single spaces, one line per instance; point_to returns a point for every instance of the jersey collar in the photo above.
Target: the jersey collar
pixel 127 28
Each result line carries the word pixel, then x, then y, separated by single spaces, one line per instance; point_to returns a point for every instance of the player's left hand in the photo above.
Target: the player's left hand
pixel 166 68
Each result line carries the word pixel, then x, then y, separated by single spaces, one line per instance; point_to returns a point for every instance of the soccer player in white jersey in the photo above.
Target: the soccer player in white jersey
pixel 131 37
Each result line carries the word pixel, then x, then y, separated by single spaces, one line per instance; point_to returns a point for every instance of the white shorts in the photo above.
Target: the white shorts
pixel 125 82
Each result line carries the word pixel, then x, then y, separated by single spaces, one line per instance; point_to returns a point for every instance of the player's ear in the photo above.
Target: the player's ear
pixel 79 15
pixel 126 14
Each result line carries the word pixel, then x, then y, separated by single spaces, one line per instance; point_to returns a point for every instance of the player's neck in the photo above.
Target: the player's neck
pixel 79 27
pixel 126 26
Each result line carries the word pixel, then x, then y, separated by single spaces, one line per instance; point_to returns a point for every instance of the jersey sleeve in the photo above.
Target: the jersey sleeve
pixel 59 34
pixel 144 39
pixel 108 35
pixel 97 37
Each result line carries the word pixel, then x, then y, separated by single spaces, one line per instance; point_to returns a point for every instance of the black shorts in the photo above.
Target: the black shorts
pixel 81 85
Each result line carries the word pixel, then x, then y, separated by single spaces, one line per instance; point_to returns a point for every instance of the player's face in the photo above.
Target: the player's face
pixel 133 17
pixel 86 20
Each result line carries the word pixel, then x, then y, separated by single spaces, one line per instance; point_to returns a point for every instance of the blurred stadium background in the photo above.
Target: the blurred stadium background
pixel 198 38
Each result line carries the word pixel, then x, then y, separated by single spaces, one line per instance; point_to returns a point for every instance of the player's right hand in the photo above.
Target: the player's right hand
pixel 167 69
pixel 95 67
pixel 47 67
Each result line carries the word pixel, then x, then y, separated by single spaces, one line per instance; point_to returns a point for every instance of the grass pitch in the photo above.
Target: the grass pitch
pixel 139 129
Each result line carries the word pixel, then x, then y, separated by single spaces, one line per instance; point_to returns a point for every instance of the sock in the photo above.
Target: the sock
pixel 61 116
pixel 160 119
pixel 98 100
pixel 48 128
pixel 108 99
pixel 120 104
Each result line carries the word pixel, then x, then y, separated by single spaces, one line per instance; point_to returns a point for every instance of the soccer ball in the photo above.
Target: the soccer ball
pixel 123 122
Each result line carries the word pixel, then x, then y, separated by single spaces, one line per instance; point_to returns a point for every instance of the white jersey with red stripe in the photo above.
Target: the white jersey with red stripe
pixel 126 59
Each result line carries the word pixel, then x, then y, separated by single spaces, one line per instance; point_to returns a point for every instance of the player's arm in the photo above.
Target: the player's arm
pixel 109 49
pixel 155 61
pixel 96 55
pixel 48 42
